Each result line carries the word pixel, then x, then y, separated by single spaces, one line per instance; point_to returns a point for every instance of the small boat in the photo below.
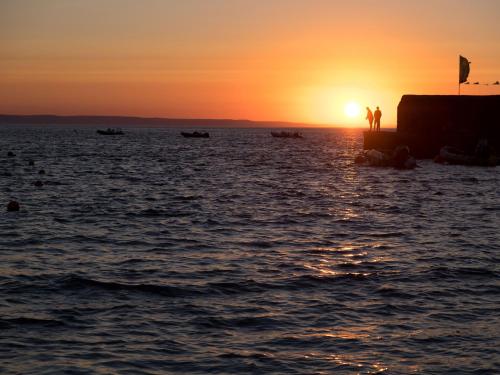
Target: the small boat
pixel 283 134
pixel 110 131
pixel 195 134
pixel 451 155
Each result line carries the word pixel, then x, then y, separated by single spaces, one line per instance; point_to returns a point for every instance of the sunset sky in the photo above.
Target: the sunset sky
pixel 285 60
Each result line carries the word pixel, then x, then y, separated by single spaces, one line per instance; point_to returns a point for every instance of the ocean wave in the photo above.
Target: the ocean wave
pixel 392 292
pixel 9 323
pixel 443 272
pixel 244 322
pixel 63 284
pixel 311 281
pixel 79 283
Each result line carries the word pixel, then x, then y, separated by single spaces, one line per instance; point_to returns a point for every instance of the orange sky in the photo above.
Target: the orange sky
pixel 286 60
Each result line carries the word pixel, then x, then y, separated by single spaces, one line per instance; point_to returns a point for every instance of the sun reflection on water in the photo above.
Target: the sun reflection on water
pixel 355 364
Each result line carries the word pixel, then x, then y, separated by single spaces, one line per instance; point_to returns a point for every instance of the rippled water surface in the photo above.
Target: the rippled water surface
pixel 151 254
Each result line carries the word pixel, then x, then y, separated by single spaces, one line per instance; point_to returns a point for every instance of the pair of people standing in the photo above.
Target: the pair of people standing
pixel 370 116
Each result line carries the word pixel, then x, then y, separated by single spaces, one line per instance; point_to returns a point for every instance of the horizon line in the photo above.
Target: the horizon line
pixel 184 119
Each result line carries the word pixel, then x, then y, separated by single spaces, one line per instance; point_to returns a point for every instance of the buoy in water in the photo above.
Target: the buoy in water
pixel 10 154
pixel 13 206
pixel 31 162
pixel 38 183
pixel 41 171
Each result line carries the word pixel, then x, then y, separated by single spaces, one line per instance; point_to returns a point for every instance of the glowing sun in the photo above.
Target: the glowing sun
pixel 352 109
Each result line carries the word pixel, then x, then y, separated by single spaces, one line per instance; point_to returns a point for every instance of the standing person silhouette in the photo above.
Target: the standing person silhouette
pixel 369 117
pixel 378 115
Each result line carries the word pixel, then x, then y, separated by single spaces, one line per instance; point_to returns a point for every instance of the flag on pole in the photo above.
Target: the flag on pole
pixel 464 69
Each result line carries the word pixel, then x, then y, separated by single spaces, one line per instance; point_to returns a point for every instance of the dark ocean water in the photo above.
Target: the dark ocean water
pixel 152 254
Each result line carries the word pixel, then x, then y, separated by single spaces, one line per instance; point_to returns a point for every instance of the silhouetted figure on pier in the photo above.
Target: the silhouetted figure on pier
pixel 378 115
pixel 369 117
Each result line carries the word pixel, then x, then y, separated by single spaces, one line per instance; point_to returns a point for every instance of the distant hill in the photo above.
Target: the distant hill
pixel 151 122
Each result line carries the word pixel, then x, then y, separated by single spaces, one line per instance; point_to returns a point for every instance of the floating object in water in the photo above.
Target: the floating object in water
pixel 284 134
pixel 13 206
pixel 195 134
pixel 31 162
pixel 41 171
pixel 38 183
pixel 451 155
pixel 110 131
pixel 10 154
pixel 400 158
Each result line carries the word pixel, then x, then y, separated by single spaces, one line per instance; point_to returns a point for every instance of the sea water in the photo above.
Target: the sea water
pixel 149 253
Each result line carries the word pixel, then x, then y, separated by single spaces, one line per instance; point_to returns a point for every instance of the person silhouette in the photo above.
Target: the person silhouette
pixel 378 115
pixel 369 117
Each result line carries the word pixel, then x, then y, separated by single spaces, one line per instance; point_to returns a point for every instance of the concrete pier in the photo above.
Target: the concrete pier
pixel 382 141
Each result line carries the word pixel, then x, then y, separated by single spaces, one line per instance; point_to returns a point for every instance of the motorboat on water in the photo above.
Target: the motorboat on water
pixel 110 131
pixel 195 134
pixel 283 134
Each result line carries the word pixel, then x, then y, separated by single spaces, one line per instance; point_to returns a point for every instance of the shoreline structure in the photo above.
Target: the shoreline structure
pixel 426 123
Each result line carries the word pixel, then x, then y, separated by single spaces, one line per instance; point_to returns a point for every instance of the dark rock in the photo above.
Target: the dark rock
pixel 401 158
pixel 13 206
pixel 439 159
pixel 376 158
pixel 410 163
pixel 360 159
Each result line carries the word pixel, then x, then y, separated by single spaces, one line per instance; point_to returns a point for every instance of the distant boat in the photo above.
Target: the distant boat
pixel 196 134
pixel 283 134
pixel 110 131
